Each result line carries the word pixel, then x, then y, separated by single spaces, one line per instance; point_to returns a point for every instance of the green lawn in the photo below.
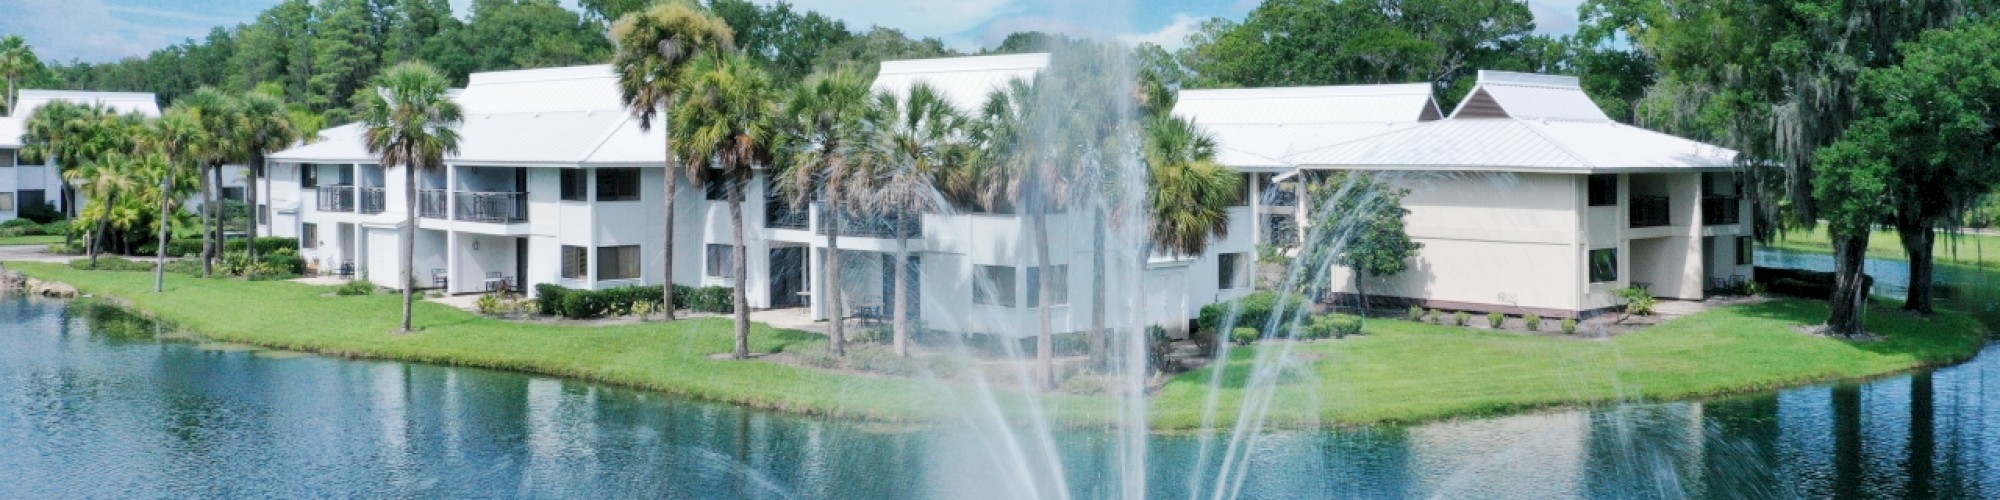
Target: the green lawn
pixel 41 239
pixel 1401 371
pixel 1973 250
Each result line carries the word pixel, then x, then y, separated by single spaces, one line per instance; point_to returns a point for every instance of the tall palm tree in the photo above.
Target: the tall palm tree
pixel 176 143
pixel 655 47
pixel 218 114
pixel 409 120
pixel 828 117
pixel 106 182
pixel 1190 194
pixel 917 139
pixel 265 126
pixel 725 119
pixel 1017 121
pixel 16 60
pixel 68 133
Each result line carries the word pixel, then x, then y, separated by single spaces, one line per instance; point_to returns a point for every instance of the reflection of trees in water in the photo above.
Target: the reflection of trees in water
pixel 116 325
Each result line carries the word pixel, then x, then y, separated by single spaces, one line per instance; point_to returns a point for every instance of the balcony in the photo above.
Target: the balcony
pixel 1651 211
pixel 372 200
pixel 1721 210
pixel 491 207
pixel 780 215
pixel 336 198
pixel 430 203
pixel 876 226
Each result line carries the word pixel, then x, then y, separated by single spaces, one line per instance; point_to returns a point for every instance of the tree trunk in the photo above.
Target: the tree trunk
pixel 160 247
pixel 1919 241
pixel 409 243
pixel 900 325
pixel 838 343
pixel 1100 349
pixel 742 271
pixel 673 183
pixel 1361 293
pixel 97 238
pixel 1849 300
pixel 1045 355
pixel 207 245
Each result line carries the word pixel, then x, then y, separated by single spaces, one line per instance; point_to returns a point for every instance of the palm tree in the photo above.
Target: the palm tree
pixel 917 139
pixel 1190 192
pixel 265 126
pixel 218 115
pixel 1015 120
pixel 16 60
pixel 410 120
pixel 69 133
pixel 828 117
pixel 106 182
pixel 655 47
pixel 176 142
pixel 725 119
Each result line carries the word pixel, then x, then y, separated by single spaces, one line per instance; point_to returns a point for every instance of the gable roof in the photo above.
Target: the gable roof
pixel 1255 129
pixel 1516 145
pixel 14 125
pixel 1506 94
pixel 964 81
pixel 572 88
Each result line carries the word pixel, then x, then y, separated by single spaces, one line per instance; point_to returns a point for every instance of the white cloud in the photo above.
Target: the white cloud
pixel 954 21
pixel 995 32
pixel 86 30
pixel 1554 17
pixel 1171 37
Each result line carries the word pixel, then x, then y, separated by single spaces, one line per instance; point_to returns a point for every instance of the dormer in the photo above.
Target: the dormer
pixel 1528 96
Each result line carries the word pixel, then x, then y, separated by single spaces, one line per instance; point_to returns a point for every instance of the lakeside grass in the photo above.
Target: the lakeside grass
pixel 40 239
pixel 1400 372
pixel 1968 250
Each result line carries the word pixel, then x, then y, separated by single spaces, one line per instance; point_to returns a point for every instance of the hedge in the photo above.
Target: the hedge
pixel 586 304
pixel 1256 311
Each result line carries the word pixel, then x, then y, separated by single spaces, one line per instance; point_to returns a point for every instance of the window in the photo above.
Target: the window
pixel 1230 273
pixel 575 185
pixel 721 261
pixel 308 176
pixel 309 235
pixel 618 263
pixel 1745 252
pixel 1604 265
pixel 575 262
pixel 1058 275
pixel 617 184
pixel 1242 196
pixel 1603 190
pixel 993 286
pixel 715 185
pixel 233 193
pixel 263 214
pixel 6 202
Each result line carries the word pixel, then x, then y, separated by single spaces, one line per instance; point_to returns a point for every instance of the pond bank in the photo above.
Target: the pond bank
pixel 1399 372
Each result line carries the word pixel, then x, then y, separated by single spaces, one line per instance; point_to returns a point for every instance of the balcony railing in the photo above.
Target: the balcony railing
pixel 482 206
pixel 1651 211
pixel 1721 210
pixel 877 226
pixel 336 198
pixel 1281 198
pixel 373 200
pixel 430 203
pixel 780 215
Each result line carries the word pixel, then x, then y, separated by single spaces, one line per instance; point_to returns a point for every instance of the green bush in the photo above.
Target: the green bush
pixel 1415 314
pixel 265 245
pixel 184 247
pixel 41 214
pixel 1638 301
pixel 184 266
pixel 1435 316
pixel 877 335
pixel 111 263
pixel 1533 322
pixel 1159 347
pixel 1244 335
pixel 65 248
pixel 489 304
pixel 1569 326
pixel 354 288
pixel 712 299
pixel 29 229
pixel 1496 320
pixel 1461 318
pixel 587 304
pixel 1255 310
pixel 19 223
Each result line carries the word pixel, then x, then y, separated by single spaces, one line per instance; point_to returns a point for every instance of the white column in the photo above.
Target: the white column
pixel 816 280
pixel 451 192
pixel 1257 208
pixel 452 281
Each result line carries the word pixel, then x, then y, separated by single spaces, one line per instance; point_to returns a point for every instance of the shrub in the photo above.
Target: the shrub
pixel 19 223
pixel 1334 326
pixel 489 304
pixel 587 304
pixel 1496 320
pixel 1253 310
pixel 354 288
pixel 1638 301
pixel 41 214
pixel 265 245
pixel 184 247
pixel 712 299
pixel 1204 341
pixel 65 248
pixel 111 263
pixel 945 366
pixel 1159 347
pixel 1086 385
pixel 1569 326
pixel 1461 318
pixel 1071 344
pixel 29 229
pixel 1347 326
pixel 1416 314
pixel 878 335
pixel 1533 322
pixel 1435 316
pixel 1244 335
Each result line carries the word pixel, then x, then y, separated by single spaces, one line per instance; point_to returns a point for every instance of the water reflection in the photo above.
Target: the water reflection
pixel 118 412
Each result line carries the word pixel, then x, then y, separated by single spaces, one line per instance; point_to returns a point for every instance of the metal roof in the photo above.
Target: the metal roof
pixel 1530 96
pixel 14 125
pixel 1295 105
pixel 573 88
pixel 965 81
pixel 1261 145
pixel 1517 145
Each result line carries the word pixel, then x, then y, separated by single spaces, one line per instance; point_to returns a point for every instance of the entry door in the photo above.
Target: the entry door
pixel 788 267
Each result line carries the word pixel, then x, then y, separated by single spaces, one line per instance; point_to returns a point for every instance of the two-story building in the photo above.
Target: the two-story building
pixel 25 185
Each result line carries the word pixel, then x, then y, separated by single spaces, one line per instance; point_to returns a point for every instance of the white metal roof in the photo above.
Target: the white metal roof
pixel 335 144
pixel 1294 105
pixel 28 100
pixel 965 81
pixel 573 88
pixel 1531 96
pixel 1517 145
pixel 10 132
pixel 1263 146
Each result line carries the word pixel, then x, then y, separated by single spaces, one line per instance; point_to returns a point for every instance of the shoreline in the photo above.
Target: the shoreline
pixel 458 338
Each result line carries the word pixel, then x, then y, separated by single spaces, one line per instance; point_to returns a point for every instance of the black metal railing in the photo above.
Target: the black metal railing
pixel 481 206
pixel 430 203
pixel 373 200
pixel 876 226
pixel 1651 211
pixel 781 215
pixel 336 198
pixel 1281 198
pixel 1721 210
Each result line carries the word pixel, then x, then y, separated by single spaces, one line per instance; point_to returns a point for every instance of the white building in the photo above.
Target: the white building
pixel 25 185
pixel 554 183
pixel 1528 199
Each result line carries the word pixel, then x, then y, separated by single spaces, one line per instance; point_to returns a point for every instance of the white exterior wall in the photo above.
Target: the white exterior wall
pixel 16 177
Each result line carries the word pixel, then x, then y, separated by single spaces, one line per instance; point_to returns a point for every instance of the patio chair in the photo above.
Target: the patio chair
pixel 494 282
pixel 346 268
pixel 439 279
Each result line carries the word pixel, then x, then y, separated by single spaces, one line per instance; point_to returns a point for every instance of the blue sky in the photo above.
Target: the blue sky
pixel 103 30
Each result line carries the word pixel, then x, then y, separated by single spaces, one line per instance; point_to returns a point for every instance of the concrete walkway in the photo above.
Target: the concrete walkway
pixel 32 253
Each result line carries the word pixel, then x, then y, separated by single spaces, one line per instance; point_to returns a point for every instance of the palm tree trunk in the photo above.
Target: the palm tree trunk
pixel 409 242
pixel 1099 338
pixel 900 326
pixel 1045 367
pixel 160 247
pixel 1919 240
pixel 1849 300
pixel 673 183
pixel 741 272
pixel 97 238
pixel 832 280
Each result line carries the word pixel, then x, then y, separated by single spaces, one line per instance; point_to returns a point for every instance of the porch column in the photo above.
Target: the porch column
pixel 1303 218
pixel 816 280
pixel 450 188
pixel 354 187
pixel 1257 208
pixel 451 281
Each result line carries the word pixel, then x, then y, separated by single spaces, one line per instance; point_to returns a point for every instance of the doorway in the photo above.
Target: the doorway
pixel 788 271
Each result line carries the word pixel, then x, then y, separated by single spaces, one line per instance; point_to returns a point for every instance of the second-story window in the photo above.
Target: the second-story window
pixel 575 185
pixel 308 176
pixel 617 184
pixel 1603 190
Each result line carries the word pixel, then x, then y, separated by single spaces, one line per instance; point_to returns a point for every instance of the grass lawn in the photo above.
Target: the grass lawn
pixel 41 239
pixel 1399 372
pixel 1972 250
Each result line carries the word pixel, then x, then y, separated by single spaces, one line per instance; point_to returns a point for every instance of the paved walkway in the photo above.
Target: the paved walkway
pixel 32 253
